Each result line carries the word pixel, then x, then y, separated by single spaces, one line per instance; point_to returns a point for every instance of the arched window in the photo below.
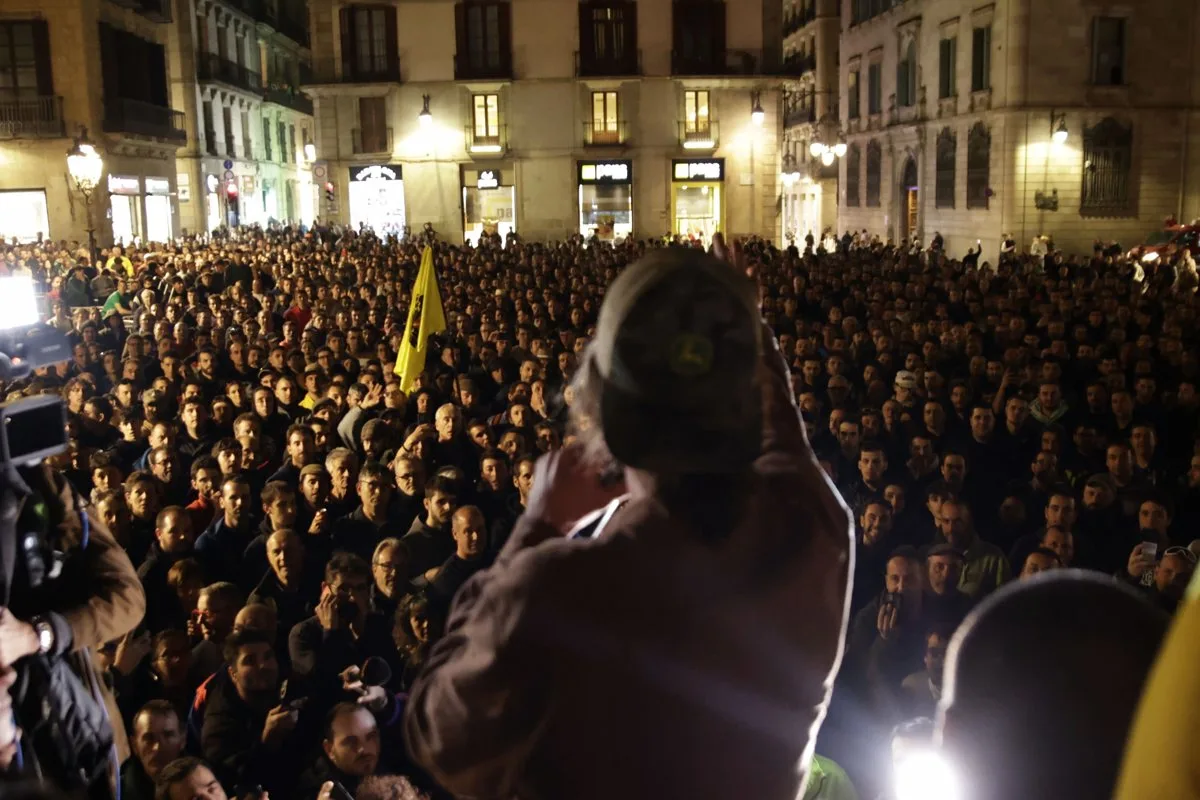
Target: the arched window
pixel 1107 161
pixel 874 173
pixel 979 165
pixel 853 175
pixel 947 148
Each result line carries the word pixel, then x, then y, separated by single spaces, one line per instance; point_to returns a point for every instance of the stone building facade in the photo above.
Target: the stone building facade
pixel 1077 119
pixel 549 118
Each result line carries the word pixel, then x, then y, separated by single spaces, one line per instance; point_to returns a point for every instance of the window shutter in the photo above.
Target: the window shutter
pixel 630 17
pixel 504 36
pixel 392 48
pixel 346 25
pixel 460 35
pixel 41 53
pixel 587 34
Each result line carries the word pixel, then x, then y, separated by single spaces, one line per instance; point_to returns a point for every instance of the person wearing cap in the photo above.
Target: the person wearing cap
pixel 905 389
pixel 544 667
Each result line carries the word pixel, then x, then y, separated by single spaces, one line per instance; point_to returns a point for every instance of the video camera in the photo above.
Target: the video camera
pixel 32 428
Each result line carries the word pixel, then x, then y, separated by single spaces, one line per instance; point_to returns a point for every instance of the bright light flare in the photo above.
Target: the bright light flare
pixel 925 775
pixel 18 302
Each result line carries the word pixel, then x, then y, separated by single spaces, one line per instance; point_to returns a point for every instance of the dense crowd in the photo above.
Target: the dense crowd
pixel 298 520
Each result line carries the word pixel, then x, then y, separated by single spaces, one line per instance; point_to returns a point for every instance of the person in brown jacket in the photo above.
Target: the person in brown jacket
pixel 684 647
pixel 96 599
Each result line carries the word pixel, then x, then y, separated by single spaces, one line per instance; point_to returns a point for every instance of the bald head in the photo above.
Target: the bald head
pixel 447 421
pixel 1041 684
pixel 257 617
pixel 468 528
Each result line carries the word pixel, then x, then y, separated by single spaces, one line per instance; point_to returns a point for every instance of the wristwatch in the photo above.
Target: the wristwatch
pixel 45 634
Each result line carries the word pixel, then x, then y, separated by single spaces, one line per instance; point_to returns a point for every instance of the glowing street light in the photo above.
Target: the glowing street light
pixel 1058 127
pixel 757 115
pixel 85 166
pixel 425 118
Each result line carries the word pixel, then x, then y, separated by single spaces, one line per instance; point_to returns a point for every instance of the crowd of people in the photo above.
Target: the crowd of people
pixel 301 525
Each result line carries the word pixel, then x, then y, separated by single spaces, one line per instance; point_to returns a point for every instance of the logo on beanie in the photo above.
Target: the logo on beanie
pixel 691 355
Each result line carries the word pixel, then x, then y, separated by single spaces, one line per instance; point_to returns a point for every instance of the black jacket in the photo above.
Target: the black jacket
pixel 231 740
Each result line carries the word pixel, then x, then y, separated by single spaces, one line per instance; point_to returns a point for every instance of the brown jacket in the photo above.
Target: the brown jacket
pixel 643 663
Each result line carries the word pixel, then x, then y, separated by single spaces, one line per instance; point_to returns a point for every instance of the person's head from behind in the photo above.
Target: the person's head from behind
pixel 261 617
pixel 157 736
pixel 351 741
pixel 188 779
pixel 669 388
pixel 1014 727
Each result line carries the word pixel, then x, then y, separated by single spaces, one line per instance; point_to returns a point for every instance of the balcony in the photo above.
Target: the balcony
pixel 474 67
pixel 602 136
pixel 371 142
pixel 698 136
pixel 32 118
pixel 726 62
pixel 588 65
pixel 494 144
pixel 288 97
pixel 122 115
pixel 797 64
pixel 797 114
pixel 328 73
pixel 212 67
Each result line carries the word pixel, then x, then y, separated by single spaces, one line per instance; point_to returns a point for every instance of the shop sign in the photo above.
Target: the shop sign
pixel 488 179
pixel 377 172
pixel 708 170
pixel 248 184
pixel 158 186
pixel 605 171
pixel 120 184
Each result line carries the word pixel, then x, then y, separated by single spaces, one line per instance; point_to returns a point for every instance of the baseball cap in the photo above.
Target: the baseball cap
pixel 312 469
pixel 676 355
pixel 906 379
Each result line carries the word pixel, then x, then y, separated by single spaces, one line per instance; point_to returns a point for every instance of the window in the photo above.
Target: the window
pixel 605 122
pixel 24 61
pixel 874 173
pixel 947 65
pixel 210 128
pixel 267 138
pixel 291 143
pixel 227 118
pixel 695 111
pixel 906 76
pixel 853 175
pixel 608 36
pixel 852 93
pixel 699 36
pixel 979 161
pixel 947 145
pixel 372 122
pixel 484 38
pixel 1107 160
pixel 284 157
pixel 245 128
pixel 369 49
pixel 874 89
pixel 486 116
pixel 981 59
pixel 1108 51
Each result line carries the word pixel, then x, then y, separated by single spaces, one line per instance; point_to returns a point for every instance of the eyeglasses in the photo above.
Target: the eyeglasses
pixel 389 567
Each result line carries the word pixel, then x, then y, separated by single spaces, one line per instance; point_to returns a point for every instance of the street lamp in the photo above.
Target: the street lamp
pixel 86 166
pixel 1058 127
pixel 426 116
pixel 757 115
pixel 310 151
pixel 827 144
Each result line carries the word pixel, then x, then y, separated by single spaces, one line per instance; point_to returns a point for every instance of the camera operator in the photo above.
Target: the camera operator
pixel 55 612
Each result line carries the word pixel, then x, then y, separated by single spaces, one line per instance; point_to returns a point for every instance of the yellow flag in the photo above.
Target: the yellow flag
pixel 425 318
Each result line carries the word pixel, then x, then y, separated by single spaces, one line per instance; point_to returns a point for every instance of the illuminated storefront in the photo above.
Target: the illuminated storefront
pixel 158 210
pixel 489 203
pixel 697 210
pixel 125 194
pixel 606 199
pixel 23 215
pixel 377 198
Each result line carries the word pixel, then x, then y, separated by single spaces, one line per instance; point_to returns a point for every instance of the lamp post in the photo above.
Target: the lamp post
pixel 1058 127
pixel 85 167
pixel 757 115
pixel 425 118
pixel 828 143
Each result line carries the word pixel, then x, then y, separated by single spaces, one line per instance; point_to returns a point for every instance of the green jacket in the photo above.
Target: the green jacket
pixel 828 781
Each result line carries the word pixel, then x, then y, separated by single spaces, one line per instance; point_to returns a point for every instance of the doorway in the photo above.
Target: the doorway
pixel 909 194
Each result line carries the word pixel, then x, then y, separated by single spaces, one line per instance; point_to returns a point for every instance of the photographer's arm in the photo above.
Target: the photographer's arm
pixel 115 600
